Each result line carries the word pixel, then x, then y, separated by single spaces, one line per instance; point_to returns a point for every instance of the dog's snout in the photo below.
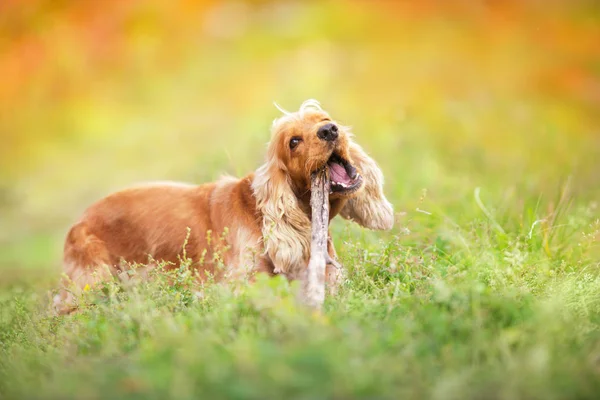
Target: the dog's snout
pixel 328 132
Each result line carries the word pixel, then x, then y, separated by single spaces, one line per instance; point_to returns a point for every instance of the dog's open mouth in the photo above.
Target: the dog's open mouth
pixel 343 176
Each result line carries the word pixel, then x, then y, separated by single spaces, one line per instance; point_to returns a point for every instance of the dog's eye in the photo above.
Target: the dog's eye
pixel 294 142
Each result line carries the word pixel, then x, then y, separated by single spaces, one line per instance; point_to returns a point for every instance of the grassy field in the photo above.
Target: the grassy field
pixel 484 121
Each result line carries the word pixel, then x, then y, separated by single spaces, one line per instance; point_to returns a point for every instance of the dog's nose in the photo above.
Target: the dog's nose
pixel 328 132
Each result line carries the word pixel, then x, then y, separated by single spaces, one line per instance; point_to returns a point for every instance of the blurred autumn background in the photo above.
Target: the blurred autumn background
pixel 447 96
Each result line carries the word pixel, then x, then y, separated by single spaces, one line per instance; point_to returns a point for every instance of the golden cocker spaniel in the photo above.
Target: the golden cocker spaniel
pixel 265 217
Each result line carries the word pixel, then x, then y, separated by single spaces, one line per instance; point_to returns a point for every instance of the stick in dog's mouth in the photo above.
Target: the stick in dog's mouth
pixel 314 279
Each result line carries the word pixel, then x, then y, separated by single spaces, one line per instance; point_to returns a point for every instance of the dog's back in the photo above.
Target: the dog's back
pixel 152 222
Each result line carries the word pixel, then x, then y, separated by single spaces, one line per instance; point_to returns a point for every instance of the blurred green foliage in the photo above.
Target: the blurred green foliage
pixel 489 293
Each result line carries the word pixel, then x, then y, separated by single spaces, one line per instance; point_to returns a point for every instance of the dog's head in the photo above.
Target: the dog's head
pixel 303 142
pixel 308 140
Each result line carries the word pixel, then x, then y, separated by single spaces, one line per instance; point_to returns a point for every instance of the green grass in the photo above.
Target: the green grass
pixel 485 124
pixel 457 310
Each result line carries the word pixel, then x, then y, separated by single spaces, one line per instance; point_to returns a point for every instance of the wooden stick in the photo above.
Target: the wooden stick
pixel 313 288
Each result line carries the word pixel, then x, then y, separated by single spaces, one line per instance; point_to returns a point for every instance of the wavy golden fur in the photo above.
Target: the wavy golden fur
pixel 264 217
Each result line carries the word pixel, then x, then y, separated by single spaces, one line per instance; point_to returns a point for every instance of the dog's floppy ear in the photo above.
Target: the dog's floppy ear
pixel 369 208
pixel 286 229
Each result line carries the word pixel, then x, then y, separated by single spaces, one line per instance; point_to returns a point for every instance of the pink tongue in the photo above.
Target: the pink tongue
pixel 338 173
